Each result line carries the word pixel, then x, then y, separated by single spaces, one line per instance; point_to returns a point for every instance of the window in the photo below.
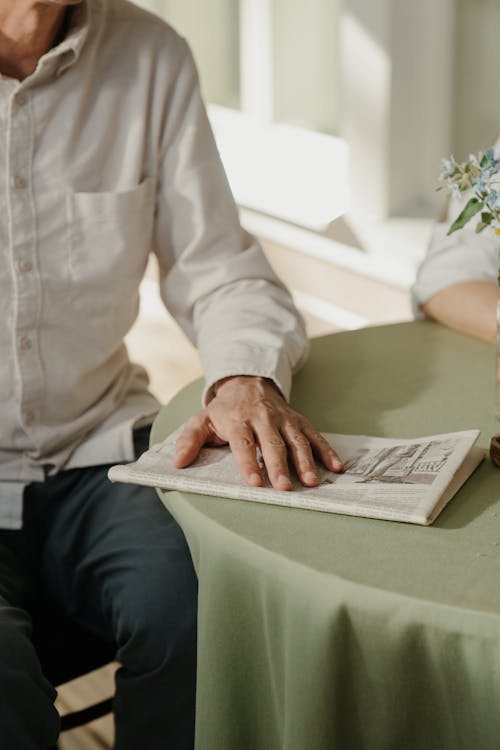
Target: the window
pixel 328 108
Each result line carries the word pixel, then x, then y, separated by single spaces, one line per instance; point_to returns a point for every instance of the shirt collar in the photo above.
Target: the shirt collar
pixel 69 49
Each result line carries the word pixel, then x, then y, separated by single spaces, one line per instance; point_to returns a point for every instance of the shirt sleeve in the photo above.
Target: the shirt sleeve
pixel 462 256
pixel 215 279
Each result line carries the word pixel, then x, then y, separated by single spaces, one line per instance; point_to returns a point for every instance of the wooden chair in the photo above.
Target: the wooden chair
pixel 67 651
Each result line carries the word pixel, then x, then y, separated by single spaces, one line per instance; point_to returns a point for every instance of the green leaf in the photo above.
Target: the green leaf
pixel 486 219
pixel 471 209
pixel 484 161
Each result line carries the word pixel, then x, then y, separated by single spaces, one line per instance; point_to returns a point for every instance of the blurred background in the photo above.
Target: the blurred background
pixel 331 117
pixel 360 96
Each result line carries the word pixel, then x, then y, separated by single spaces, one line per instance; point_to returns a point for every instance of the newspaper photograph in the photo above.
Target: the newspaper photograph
pixel 407 480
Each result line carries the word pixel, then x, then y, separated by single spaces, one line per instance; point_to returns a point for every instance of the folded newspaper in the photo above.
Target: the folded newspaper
pixel 394 479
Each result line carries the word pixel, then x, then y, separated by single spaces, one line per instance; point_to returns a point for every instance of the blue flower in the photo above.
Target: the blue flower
pixel 492 199
pixel 491 162
pixel 448 166
pixel 479 176
pixel 490 155
pixel 479 185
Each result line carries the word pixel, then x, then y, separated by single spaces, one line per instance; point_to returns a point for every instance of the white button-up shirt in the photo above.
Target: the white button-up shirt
pixel 107 154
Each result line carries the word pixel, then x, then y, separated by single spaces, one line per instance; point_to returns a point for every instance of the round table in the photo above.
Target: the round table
pixel 320 631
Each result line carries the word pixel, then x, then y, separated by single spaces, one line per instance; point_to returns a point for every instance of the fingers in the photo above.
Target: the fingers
pixel 323 449
pixel 244 448
pixel 192 439
pixel 198 432
pixel 300 450
pixel 274 452
pixel 249 415
pixel 297 438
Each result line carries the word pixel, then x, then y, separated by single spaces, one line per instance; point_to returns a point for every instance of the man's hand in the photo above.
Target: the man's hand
pixel 249 412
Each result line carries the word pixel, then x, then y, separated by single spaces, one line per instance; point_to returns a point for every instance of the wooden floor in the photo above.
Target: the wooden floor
pixel 172 361
pixel 82 693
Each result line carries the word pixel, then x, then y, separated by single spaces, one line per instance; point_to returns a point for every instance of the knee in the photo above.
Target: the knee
pixel 158 625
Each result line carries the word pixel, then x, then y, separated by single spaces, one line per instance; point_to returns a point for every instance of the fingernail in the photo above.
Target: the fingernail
pixel 310 477
pixel 283 480
pixel 337 465
pixel 255 479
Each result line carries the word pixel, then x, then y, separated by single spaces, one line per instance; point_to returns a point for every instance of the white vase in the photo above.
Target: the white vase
pixel 497 371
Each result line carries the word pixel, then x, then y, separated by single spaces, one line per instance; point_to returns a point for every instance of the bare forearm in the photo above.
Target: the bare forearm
pixel 469 307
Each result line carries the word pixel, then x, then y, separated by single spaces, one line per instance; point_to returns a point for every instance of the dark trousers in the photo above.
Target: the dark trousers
pixel 112 558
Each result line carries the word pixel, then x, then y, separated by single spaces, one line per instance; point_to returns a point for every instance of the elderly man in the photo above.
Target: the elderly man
pixel 106 154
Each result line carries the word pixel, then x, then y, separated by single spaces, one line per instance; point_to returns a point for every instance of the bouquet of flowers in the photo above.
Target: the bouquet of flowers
pixel 477 177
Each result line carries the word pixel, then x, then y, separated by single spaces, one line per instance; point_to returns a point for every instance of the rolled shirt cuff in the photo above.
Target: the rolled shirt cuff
pixel 265 364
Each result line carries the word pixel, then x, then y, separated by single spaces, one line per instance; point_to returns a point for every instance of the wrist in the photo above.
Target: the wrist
pixel 241 380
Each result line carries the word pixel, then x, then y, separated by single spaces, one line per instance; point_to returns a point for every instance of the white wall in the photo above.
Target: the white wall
pixel 476 75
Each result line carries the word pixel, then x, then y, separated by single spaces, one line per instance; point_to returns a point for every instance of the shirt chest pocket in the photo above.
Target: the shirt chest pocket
pixel 110 235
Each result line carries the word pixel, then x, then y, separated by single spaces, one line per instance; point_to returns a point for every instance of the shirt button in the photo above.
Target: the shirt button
pixel 19 182
pixel 26 343
pixel 21 99
pixel 25 265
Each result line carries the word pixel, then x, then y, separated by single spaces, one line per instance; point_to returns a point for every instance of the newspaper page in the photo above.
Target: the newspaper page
pixel 407 480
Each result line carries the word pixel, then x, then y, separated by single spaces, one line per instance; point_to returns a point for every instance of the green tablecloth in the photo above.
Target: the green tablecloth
pixel 325 631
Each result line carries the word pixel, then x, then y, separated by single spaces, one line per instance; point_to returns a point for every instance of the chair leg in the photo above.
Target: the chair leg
pixel 86 715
